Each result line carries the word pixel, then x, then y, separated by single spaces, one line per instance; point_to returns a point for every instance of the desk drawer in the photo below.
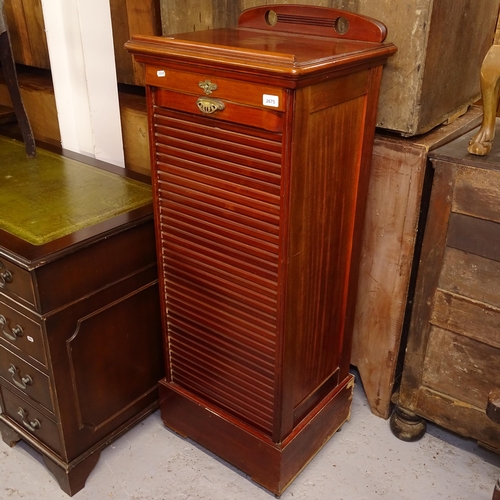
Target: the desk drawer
pixel 32 382
pixel 22 333
pixel 31 420
pixel 16 282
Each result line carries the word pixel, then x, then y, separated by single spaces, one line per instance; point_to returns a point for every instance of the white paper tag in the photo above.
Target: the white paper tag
pixel 160 73
pixel 272 101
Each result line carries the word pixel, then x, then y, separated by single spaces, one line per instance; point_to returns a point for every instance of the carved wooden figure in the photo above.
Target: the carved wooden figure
pixel 480 144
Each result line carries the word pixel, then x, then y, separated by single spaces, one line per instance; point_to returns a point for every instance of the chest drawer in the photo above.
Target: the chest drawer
pixel 31 420
pixel 16 282
pixel 22 333
pixel 28 379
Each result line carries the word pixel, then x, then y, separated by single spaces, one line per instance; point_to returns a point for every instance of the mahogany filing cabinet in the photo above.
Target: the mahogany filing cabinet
pixel 261 140
pixel 80 327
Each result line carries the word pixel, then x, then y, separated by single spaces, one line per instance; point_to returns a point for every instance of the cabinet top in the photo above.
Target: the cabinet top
pixel 291 41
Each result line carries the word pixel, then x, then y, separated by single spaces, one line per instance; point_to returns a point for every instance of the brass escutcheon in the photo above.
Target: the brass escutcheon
pixel 208 87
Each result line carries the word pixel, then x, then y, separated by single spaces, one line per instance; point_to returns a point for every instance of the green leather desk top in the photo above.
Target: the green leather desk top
pixel 48 197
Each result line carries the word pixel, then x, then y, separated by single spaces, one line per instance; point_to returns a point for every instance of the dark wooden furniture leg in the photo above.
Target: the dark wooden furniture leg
pixel 9 70
pixel 71 480
pixel 9 436
pixel 406 425
pixel 493 413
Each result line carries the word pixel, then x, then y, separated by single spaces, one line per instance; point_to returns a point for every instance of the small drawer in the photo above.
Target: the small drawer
pixel 31 420
pixel 16 282
pixel 26 378
pixel 22 333
pixel 236 91
pixel 228 111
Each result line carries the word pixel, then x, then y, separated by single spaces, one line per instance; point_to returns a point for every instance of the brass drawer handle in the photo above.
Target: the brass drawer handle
pixel 5 276
pixel 15 332
pixel 23 382
pixel 209 105
pixel 31 426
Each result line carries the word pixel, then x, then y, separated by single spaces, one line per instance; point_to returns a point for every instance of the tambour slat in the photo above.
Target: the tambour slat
pixel 204 162
pixel 236 382
pixel 206 390
pixel 238 193
pixel 207 259
pixel 247 399
pixel 219 197
pixel 183 330
pixel 222 278
pixel 220 194
pixel 208 210
pixel 209 321
pixel 209 353
pixel 211 175
pixel 253 242
pixel 245 152
pixel 218 243
pixel 204 127
pixel 253 332
pixel 223 304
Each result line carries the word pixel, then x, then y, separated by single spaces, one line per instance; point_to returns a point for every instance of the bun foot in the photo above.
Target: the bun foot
pixel 406 425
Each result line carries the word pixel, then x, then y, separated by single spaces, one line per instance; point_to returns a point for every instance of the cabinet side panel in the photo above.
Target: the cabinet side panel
pixel 324 182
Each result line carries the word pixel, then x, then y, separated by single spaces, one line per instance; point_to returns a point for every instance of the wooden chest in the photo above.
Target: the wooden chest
pixel 80 335
pixel 435 73
pixel 399 190
pixel 453 351
pixel 262 139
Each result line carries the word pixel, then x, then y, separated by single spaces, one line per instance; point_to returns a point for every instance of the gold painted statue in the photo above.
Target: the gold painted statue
pixel 481 143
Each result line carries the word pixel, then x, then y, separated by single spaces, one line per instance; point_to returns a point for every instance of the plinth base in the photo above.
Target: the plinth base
pixel 272 465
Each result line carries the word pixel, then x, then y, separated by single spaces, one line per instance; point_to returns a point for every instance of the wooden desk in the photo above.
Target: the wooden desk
pixel 80 343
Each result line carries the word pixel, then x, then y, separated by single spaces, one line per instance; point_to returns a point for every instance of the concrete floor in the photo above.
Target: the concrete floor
pixel 362 462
